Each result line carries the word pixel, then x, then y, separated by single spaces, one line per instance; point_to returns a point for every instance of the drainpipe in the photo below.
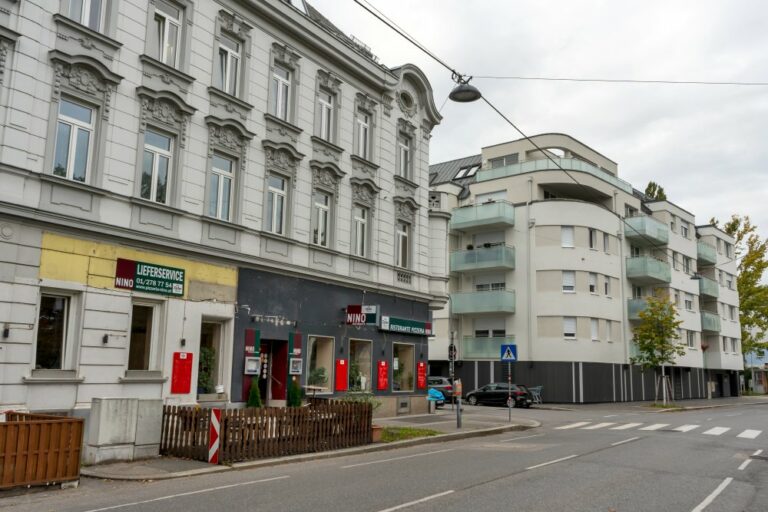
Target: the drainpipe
pixel 622 291
pixel 529 222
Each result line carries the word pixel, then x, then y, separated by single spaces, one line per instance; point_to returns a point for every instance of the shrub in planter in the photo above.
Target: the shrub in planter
pixel 254 395
pixel 294 394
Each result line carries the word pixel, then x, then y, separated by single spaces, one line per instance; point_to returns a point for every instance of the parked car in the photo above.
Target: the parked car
pixel 498 392
pixel 442 384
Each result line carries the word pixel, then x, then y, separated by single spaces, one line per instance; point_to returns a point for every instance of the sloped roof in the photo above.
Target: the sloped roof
pixel 445 172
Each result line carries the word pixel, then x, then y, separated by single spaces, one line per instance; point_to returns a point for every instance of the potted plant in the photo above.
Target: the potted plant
pixel 367 397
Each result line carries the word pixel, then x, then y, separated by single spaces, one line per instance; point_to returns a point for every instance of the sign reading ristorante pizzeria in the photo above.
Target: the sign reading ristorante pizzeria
pixel 405 326
pixel 148 277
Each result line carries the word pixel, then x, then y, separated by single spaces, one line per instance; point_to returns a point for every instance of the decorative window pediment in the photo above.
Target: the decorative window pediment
pixel 326 175
pixel 405 209
pixel 282 158
pixel 365 102
pixel 406 127
pixel 164 109
pixel 234 24
pixel 364 191
pixel 228 135
pixel 328 80
pixel 85 75
pixel 285 55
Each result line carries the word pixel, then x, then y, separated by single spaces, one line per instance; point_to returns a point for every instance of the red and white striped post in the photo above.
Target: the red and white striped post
pixel 213 442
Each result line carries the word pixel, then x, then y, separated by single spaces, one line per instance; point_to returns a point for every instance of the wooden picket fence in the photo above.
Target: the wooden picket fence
pixel 38 449
pixel 248 434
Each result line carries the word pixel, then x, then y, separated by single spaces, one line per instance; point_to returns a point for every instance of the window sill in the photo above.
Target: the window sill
pixel 60 19
pixel 569 291
pixel 326 250
pixel 406 181
pixel 363 259
pixel 327 144
pixel 276 236
pixel 570 338
pixel 295 130
pixel 160 206
pixel 596 341
pixel 65 182
pixel 363 161
pixel 151 61
pixel 43 376
pixel 212 397
pixel 215 91
pixel 142 377
pixel 219 222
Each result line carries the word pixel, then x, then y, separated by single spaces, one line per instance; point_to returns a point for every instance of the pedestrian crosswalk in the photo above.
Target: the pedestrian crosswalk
pixel 686 428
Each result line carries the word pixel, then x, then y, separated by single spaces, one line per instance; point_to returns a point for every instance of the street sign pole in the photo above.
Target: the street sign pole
pixel 509 390
pixel 508 355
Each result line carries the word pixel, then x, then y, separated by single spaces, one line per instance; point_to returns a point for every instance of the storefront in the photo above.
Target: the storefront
pixel 330 339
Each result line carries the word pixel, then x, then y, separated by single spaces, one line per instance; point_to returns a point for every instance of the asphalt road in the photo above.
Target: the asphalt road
pixel 599 458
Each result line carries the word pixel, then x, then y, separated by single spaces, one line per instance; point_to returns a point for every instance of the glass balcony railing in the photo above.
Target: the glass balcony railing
pixel 646 231
pixel 706 254
pixel 483 258
pixel 485 215
pixel 544 164
pixel 495 301
pixel 647 270
pixel 709 287
pixel 710 321
pixel 634 307
pixel 484 348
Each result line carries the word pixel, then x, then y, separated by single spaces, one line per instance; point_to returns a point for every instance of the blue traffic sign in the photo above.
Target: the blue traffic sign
pixel 508 353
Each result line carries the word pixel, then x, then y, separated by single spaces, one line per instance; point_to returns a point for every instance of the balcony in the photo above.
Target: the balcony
pixel 647 270
pixel 710 322
pixel 497 257
pixel 494 301
pixel 706 254
pixel 493 214
pixel 644 230
pixel 634 307
pixel 709 287
pixel 483 348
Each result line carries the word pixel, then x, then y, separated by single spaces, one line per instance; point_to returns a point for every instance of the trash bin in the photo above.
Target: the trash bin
pixel 431 406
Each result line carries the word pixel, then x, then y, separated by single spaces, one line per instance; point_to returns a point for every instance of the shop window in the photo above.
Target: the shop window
pixel 359 365
pixel 209 360
pixel 52 332
pixel 403 367
pixel 74 140
pixel 320 361
pixel 139 351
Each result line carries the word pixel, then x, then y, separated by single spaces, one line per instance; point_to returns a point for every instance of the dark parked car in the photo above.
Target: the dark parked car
pixel 498 392
pixel 442 384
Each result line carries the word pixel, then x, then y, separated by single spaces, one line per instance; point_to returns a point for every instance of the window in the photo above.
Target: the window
pixel 732 312
pixel 325 107
pixel 629 211
pixel 720 277
pixel 637 292
pixel 607 286
pixel 142 318
pixel 673 224
pixel 359 365
pixel 404 156
pixel 592 282
pixel 676 295
pixel 363 121
pixel 592 238
pixel 634 251
pixel 608 329
pixel 689 302
pixel 467 171
pixel 74 133
pixel 87 12
pixel 220 193
pixel 569 327
pixel 594 325
pixel 728 250
pixel 675 261
pixel 606 242
pixel 321 218
pixel 279 94
pixel 684 228
pixel 566 236
pixel 690 338
pixel 402 245
pixel 167 31
pixel 719 246
pixel 503 161
pixel 734 345
pixel 725 344
pixel 52 329
pixel 569 281
pixel 729 281
pixel 360 230
pixel 228 70
pixel 156 168
pixel 722 310
pixel 276 194
pixel 320 362
pixel 687 265
pixel 403 367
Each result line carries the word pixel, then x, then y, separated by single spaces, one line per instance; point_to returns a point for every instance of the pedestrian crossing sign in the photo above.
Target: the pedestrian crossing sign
pixel 508 353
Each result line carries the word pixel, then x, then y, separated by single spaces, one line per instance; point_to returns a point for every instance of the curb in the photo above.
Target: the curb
pixel 378 447
pixel 713 406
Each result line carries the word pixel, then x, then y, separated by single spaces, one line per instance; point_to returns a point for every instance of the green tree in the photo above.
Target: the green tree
pixel 254 396
pixel 751 252
pixel 294 394
pixel 656 336
pixel 655 192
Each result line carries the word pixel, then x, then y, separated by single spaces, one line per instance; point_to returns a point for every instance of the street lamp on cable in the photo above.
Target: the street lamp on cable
pixel 463 92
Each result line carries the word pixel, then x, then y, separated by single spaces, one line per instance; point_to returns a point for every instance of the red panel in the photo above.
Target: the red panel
pixel 342 375
pixel 382 382
pixel 181 375
pixel 421 375
pixel 279 370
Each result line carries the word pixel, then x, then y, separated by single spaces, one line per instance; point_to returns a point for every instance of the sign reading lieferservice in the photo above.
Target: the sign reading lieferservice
pixel 148 277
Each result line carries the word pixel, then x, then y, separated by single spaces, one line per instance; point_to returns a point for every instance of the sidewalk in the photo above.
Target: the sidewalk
pixel 474 424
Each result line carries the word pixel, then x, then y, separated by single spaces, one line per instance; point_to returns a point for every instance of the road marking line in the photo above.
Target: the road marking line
pixel 744 464
pixel 617 443
pixel 416 502
pixel 686 428
pixel 716 431
pixel 190 493
pixel 610 416
pixel 597 426
pixel 655 426
pixel 573 425
pixel 396 458
pixel 709 499
pixel 750 434
pixel 626 426
pixel 516 438
pixel 758 452
pixel 551 462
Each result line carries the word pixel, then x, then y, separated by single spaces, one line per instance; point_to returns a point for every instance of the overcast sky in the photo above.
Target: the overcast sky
pixel 706 145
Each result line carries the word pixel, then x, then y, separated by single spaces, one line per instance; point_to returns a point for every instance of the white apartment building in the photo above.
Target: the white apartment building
pixel 551 251
pixel 193 193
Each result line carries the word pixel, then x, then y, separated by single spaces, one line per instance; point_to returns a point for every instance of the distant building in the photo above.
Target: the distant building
pixel 551 251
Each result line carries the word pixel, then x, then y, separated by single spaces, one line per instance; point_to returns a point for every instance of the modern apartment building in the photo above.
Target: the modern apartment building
pixel 551 251
pixel 194 193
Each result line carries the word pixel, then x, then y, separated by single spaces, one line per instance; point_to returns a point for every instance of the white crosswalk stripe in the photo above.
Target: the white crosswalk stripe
pixel 717 431
pixel 573 425
pixel 686 428
pixel 655 426
pixel 626 426
pixel 597 426
pixel 750 434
